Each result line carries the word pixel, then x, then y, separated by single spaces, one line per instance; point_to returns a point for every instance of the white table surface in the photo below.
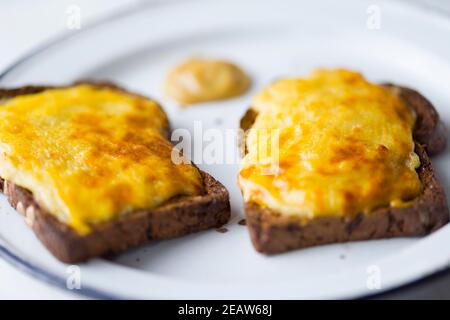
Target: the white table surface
pixel 24 24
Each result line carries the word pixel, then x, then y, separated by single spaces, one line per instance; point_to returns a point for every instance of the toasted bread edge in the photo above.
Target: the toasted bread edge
pixel 272 232
pixel 178 217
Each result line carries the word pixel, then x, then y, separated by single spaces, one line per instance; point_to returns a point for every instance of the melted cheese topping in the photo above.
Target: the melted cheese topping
pixel 331 144
pixel 89 154
pixel 200 80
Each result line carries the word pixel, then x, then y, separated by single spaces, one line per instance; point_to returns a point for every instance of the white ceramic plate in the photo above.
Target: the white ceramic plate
pixel 269 39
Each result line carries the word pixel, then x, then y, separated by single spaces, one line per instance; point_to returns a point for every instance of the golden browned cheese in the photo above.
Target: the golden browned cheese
pixel 201 80
pixel 90 154
pixel 328 145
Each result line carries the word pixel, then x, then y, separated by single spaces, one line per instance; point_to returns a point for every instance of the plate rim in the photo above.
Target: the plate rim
pixel 41 274
pixel 33 269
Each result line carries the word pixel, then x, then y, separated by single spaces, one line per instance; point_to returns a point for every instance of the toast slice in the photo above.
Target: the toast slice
pixel 272 232
pixel 179 216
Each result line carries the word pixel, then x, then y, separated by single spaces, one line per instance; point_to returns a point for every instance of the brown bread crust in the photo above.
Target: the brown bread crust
pixel 429 129
pixel 178 217
pixel 174 219
pixel 272 232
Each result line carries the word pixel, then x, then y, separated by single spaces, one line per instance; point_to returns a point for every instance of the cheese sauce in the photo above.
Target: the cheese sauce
pixel 343 146
pixel 201 80
pixel 90 154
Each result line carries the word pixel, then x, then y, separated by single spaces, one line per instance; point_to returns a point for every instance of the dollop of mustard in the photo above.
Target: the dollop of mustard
pixel 199 80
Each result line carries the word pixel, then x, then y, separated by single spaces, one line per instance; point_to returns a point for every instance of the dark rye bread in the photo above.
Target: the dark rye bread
pixel 272 232
pixel 177 217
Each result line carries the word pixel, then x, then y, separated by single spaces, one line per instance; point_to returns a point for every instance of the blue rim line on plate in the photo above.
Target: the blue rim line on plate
pixel 51 278
pixel 55 280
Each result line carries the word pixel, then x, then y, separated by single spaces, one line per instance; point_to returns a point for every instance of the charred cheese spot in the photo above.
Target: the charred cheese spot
pixel 90 154
pixel 345 147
